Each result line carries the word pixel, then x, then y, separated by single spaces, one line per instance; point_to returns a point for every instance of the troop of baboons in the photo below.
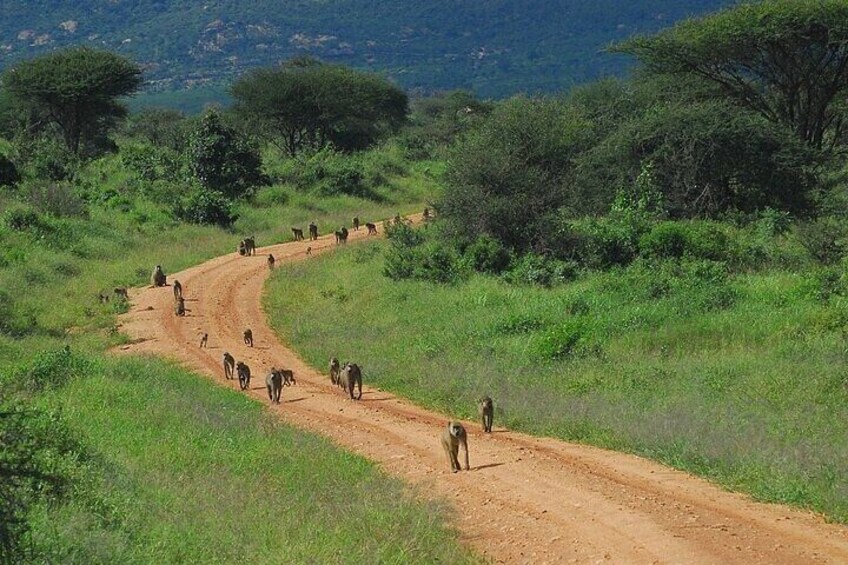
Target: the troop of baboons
pixel 119 292
pixel 347 376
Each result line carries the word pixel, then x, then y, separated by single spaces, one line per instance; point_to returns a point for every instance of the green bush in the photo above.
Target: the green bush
pixel 826 239
pixel 697 240
pixel 23 219
pixel 540 271
pixel 411 255
pixel 206 207
pixel 487 255
pixel 570 339
pixel 597 243
pixel 52 369
pixel 56 198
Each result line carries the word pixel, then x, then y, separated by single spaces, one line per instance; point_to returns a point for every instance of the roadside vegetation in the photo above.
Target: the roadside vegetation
pixel 654 264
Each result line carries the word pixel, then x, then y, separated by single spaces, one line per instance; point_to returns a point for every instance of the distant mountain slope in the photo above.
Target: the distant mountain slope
pixel 494 47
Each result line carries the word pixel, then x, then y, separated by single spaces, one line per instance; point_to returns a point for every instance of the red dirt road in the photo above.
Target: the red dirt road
pixel 526 499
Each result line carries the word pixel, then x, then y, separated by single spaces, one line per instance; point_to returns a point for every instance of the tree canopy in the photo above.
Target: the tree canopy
pixel 785 59
pixel 308 104
pixel 76 90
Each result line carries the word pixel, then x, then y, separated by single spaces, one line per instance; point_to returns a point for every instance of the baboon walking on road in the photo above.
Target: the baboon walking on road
pixel 243 372
pixel 356 223
pixel 179 307
pixel 274 384
pixel 313 231
pixel 372 228
pixel 452 437
pixel 351 376
pixel 487 413
pixel 178 290
pixel 229 365
pixel 204 339
pixel 271 261
pixel 335 370
pixel 297 233
pixel 248 337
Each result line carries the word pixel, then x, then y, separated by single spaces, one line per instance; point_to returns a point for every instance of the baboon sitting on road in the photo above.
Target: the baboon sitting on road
pixel 158 276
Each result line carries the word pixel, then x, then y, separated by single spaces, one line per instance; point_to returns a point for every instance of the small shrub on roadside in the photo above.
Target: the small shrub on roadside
pixel 487 255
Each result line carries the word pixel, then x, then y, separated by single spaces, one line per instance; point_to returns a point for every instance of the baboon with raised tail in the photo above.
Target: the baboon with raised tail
pixel 452 437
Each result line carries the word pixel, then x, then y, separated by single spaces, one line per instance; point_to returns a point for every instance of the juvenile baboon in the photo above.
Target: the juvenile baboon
pixel 344 233
pixel 274 384
pixel 241 249
pixel 335 369
pixel 178 290
pixel 243 372
pixel 179 307
pixel 338 235
pixel 356 223
pixel 313 231
pixel 204 339
pixel 298 234
pixel 121 292
pixel 372 228
pixel 487 413
pixel 229 365
pixel 288 377
pixel 352 376
pixel 309 252
pixel 271 261
pixel 158 277
pixel 452 437
pixel 426 214
pixel 248 337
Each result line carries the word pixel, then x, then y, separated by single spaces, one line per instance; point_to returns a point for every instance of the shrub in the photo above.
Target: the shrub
pixel 541 271
pixel 22 219
pixel 52 369
pixel 57 199
pixel 598 243
pixel 413 256
pixel 572 338
pixel 826 239
pixel 697 240
pixel 487 255
pixel 206 207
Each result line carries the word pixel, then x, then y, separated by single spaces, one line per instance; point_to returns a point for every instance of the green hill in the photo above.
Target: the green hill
pixel 495 48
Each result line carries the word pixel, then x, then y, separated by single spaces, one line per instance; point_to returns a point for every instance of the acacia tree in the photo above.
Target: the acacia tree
pixel 784 59
pixel 77 90
pixel 308 104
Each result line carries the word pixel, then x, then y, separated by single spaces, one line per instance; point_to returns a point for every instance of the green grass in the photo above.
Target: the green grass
pixel 740 380
pixel 191 472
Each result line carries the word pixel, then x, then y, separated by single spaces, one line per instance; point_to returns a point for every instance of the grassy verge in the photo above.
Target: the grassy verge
pixel 739 379
pixel 189 472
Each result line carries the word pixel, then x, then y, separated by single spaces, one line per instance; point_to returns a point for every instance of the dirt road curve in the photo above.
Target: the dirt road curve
pixel 526 500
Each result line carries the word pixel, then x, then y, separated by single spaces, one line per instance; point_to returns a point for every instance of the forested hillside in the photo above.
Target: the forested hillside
pixel 495 48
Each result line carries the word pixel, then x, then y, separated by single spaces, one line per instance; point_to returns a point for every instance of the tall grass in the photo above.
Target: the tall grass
pixel 741 379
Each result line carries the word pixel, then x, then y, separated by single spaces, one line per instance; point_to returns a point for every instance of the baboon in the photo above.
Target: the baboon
pixel 335 369
pixel 338 235
pixel 313 231
pixel 158 277
pixel 288 377
pixel 356 223
pixel 426 214
pixel 241 249
pixel 274 384
pixel 229 365
pixel 298 234
pixel 372 228
pixel 178 290
pixel 452 437
pixel 271 261
pixel 203 340
pixel 121 292
pixel 309 252
pixel 103 298
pixel 179 307
pixel 487 413
pixel 248 337
pixel 250 245
pixel 243 372
pixel 351 376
